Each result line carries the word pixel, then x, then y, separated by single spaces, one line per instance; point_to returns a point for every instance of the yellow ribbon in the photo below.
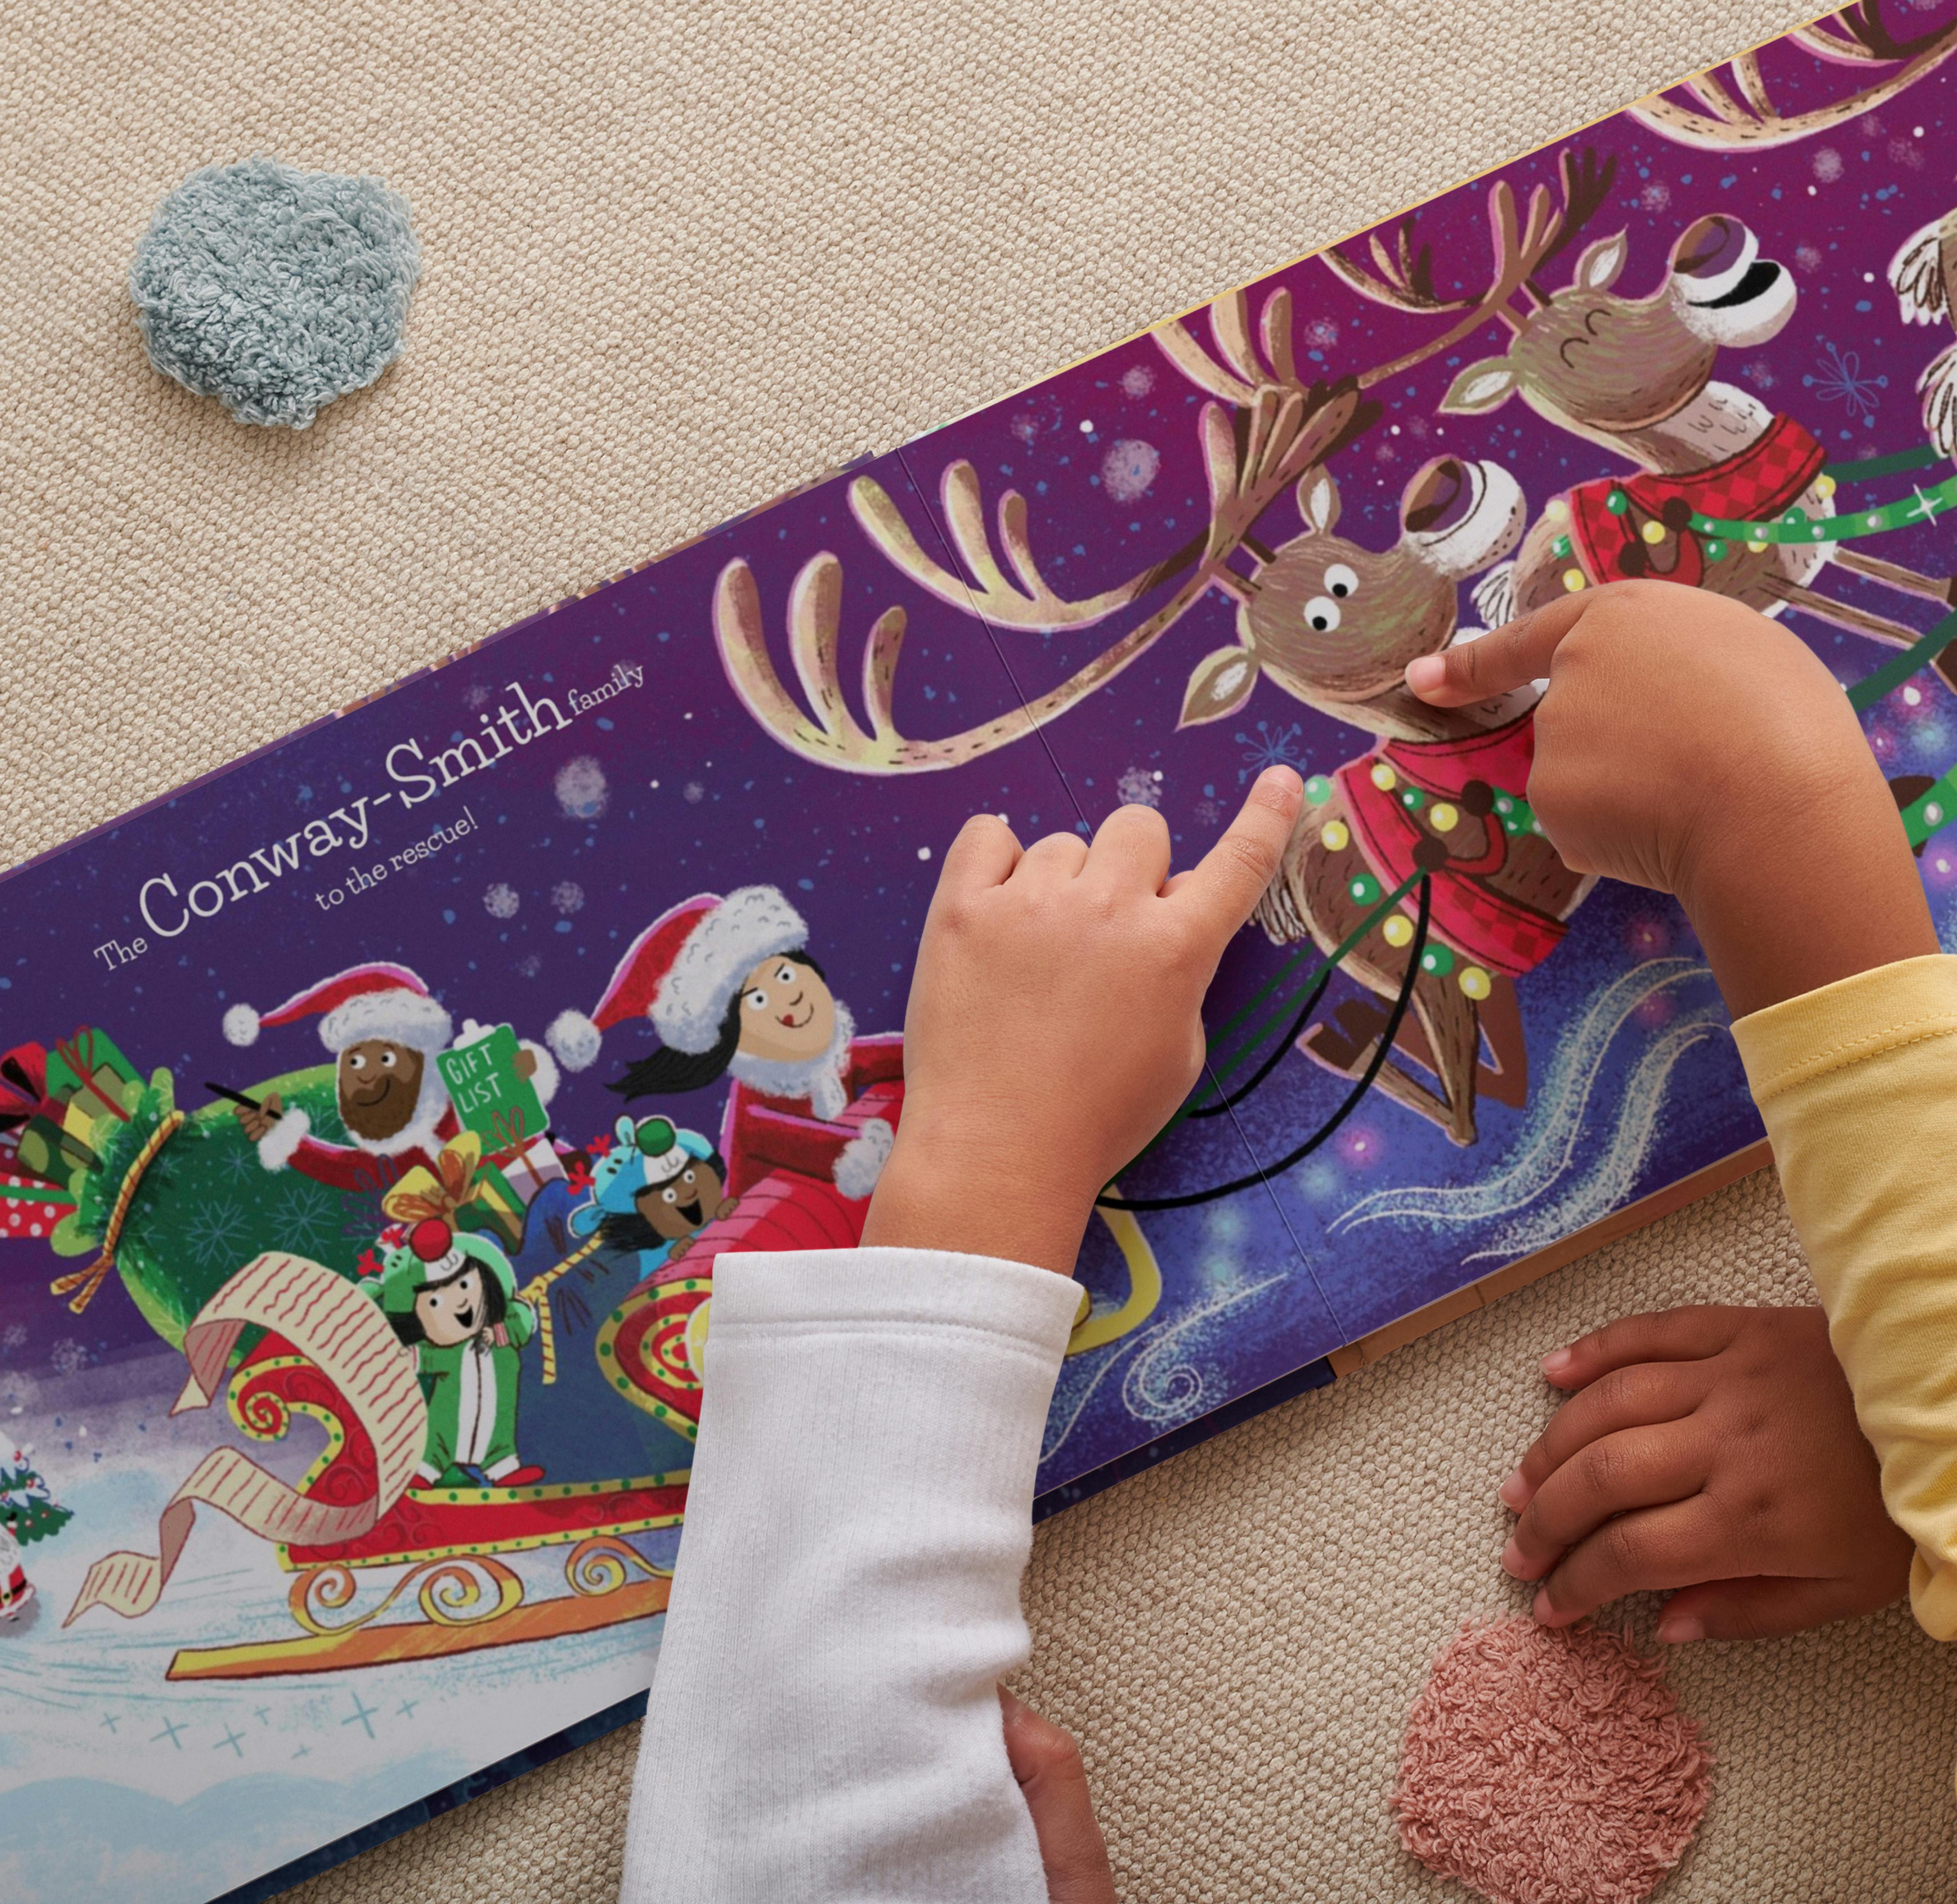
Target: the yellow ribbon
pixel 536 1292
pixel 87 1281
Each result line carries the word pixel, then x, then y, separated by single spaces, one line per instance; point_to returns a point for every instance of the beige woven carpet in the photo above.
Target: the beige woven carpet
pixel 679 257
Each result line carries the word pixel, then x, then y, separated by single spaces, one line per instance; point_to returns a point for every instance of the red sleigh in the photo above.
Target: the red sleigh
pixel 650 1346
pixel 458 1594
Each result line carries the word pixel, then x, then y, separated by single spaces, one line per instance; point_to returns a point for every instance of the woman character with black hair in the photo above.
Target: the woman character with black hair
pixel 730 987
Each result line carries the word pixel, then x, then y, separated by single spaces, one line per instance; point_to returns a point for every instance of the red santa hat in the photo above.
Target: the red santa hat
pixel 683 971
pixel 376 1001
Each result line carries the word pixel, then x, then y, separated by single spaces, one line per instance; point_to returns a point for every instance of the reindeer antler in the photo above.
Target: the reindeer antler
pixel 1248 458
pixel 1030 603
pixel 1521 242
pixel 1237 372
pixel 1405 280
pixel 1855 36
pixel 833 737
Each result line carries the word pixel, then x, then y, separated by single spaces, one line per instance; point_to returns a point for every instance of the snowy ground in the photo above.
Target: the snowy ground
pixel 114 1781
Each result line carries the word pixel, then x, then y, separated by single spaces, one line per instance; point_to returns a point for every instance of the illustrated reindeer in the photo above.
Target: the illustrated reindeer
pixel 1329 621
pixel 1634 376
pixel 1267 431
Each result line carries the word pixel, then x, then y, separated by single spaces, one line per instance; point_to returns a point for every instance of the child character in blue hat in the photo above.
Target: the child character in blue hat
pixel 451 1296
pixel 656 1189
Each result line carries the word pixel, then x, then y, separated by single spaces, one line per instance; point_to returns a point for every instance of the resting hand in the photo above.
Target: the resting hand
pixel 1714 1451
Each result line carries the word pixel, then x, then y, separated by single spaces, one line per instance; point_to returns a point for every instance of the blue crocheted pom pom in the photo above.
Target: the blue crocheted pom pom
pixel 272 290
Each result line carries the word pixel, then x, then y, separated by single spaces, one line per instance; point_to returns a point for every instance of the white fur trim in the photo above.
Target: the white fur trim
pixel 544 1080
pixel 860 1163
pixel 820 1079
pixel 752 923
pixel 241 1025
pixel 575 1039
pixel 401 1016
pixel 276 1146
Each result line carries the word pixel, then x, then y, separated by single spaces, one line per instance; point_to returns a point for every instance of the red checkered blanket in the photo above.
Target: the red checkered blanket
pixel 1480 924
pixel 1764 480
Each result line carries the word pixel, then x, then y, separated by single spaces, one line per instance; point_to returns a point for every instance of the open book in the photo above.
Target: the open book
pixel 372 1113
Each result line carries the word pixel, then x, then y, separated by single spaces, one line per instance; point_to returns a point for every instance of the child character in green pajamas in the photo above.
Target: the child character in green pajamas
pixel 451 1297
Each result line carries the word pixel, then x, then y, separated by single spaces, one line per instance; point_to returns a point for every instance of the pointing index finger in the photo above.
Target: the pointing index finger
pixel 1520 652
pixel 1230 877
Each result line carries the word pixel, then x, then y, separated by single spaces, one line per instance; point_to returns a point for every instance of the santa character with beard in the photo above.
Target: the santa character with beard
pixel 729 986
pixel 384 1031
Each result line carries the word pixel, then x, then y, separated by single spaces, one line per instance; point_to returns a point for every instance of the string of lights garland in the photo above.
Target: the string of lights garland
pixel 1933 809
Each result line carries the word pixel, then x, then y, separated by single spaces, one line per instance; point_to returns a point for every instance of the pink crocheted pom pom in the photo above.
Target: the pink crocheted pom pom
pixel 1550 1767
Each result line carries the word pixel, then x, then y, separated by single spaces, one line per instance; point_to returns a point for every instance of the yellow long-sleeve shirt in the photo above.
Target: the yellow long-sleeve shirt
pixel 1857 1084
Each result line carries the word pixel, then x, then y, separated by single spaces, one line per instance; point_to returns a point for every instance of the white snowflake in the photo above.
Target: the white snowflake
pixel 567 897
pixel 692 793
pixel 581 791
pixel 14 1335
pixel 501 901
pixel 1827 166
pixel 529 965
pixel 1130 466
pixel 1322 332
pixel 1138 380
pixel 1808 257
pixel 1139 787
pixel 68 1357
pixel 1656 196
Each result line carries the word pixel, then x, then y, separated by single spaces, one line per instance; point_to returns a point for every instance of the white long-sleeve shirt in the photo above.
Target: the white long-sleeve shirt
pixel 824 1724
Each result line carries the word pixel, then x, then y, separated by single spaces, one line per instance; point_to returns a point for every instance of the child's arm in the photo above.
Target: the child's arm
pixel 1688 744
pixel 825 1722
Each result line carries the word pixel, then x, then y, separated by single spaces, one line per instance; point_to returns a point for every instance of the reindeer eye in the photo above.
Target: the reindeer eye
pixel 1321 612
pixel 1341 580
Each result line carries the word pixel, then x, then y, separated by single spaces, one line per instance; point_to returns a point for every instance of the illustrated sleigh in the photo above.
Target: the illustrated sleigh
pixel 459 1594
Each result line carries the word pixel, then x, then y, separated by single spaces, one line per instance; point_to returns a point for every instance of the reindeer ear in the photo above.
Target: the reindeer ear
pixel 1317 501
pixel 1597 270
pixel 1484 386
pixel 1220 684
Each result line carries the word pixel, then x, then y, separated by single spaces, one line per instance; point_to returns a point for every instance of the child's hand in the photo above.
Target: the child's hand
pixel 1686 742
pixel 1714 1450
pixel 500 1335
pixel 1047 1763
pixel 1055 1021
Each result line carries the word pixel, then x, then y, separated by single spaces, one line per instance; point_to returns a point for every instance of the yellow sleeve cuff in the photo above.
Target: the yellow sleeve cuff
pixel 1845 1023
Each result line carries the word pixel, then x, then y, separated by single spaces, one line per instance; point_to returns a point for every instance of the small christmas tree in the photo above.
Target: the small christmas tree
pixel 27 1510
